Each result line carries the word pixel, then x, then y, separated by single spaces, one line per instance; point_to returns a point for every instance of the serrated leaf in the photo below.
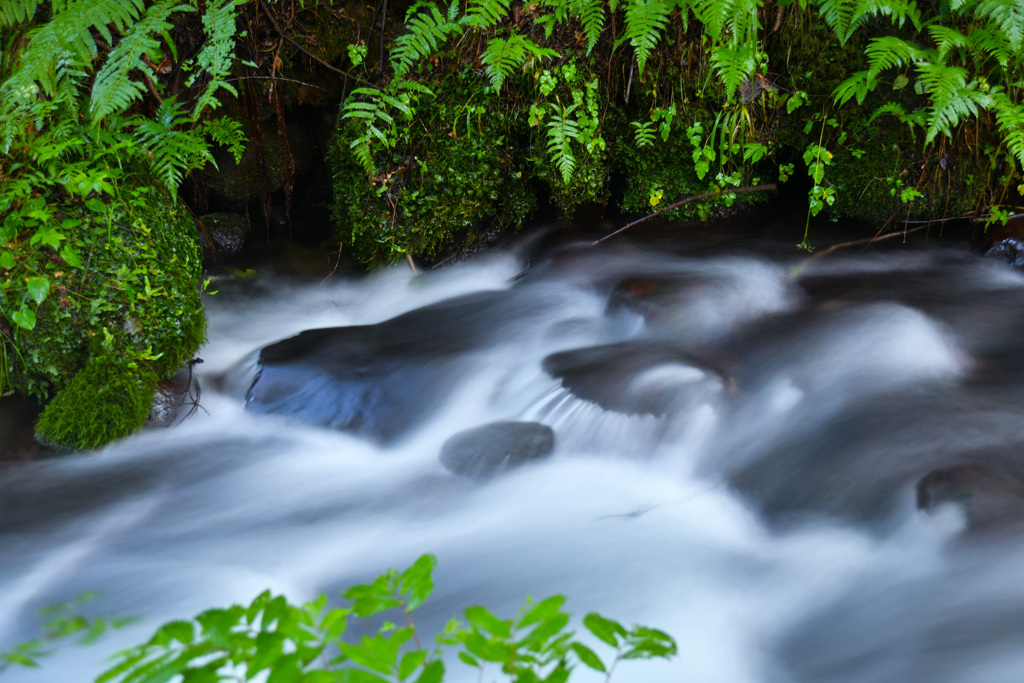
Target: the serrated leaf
pixel 37 288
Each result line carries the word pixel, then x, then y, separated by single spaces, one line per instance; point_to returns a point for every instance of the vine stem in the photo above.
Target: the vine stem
pixel 770 187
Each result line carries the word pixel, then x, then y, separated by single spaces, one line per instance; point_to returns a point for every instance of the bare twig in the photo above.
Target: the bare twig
pixel 770 187
pixel 869 240
pixel 281 32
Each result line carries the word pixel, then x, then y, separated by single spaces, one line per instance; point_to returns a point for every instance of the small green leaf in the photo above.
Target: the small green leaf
pixel 588 657
pixel 24 318
pixel 607 630
pixel 543 610
pixel 484 620
pixel 432 673
pixel 37 288
pixel 69 255
pixel 96 205
pixel 417 581
pixel 468 660
pixel 410 662
pixel 6 259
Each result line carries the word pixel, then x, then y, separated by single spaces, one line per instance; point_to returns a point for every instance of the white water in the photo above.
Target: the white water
pixel 767 522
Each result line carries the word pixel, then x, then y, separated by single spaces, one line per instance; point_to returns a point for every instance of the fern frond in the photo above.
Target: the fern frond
pixel 217 57
pixel 734 65
pixel 485 13
pixel 428 30
pixel 17 11
pixel 838 14
pixel 113 90
pixel 947 39
pixel 857 85
pixel 1010 118
pixel 645 20
pixel 890 52
pixel 172 152
pixel 592 16
pixel 502 57
pixel 65 44
pixel 953 97
pixel 1008 15
pixel 562 131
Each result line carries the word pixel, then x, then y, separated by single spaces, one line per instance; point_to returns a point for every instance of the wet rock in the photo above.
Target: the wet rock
pixel 635 378
pixel 224 233
pixel 1010 249
pixel 378 381
pixel 485 451
pixel 175 398
pixel 989 498
pixel 233 185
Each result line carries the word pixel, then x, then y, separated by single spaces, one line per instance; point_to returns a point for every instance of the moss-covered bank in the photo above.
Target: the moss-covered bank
pixel 126 315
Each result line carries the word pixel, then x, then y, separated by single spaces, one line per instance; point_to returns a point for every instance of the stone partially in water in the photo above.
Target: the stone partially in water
pixel 377 381
pixel 485 451
pixel 989 498
pixel 635 377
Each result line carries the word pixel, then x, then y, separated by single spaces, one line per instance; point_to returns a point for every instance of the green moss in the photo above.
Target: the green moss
pixel 107 400
pixel 134 298
pixel 455 180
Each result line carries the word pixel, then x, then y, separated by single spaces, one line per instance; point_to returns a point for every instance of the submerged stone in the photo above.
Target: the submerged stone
pixel 377 381
pixel 485 451
pixel 635 377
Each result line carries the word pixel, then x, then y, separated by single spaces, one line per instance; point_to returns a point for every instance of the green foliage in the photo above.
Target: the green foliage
pixel 271 637
pixel 63 621
pixel 428 30
pixel 503 56
pixel 645 22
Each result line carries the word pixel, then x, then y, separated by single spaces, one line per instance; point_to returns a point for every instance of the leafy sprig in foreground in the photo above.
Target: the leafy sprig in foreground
pixel 307 643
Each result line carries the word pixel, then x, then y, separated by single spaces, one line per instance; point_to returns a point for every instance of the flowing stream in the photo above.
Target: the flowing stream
pixel 738 439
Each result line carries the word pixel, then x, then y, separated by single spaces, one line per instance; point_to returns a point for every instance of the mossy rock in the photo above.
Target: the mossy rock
pixel 106 401
pixel 456 181
pixel 134 298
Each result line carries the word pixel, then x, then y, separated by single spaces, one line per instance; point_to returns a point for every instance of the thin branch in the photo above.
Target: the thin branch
pixel 869 240
pixel 770 187
pixel 281 32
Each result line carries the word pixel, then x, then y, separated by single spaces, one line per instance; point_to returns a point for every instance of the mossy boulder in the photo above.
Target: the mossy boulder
pixel 107 400
pixel 129 315
pixel 455 181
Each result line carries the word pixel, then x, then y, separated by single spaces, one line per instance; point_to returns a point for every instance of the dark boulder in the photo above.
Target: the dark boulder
pixel 224 233
pixel 485 451
pixel 989 498
pixel 378 381
pixel 635 377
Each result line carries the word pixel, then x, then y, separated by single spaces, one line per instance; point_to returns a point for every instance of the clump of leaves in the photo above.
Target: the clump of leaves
pixel 284 642
pixel 63 620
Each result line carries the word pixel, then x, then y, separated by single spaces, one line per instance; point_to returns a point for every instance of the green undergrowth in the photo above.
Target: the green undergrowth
pixel 885 110
pixel 277 641
pixel 121 311
pixel 311 643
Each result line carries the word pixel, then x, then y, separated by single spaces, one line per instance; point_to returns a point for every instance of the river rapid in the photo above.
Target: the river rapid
pixel 739 440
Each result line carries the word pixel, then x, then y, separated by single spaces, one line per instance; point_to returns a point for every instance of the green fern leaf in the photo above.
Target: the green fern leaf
pixel 486 13
pixel 562 131
pixel 503 56
pixel 428 29
pixel 734 65
pixel 592 16
pixel 645 20
pixel 217 57
pixel 113 90
pixel 17 11
pixel 953 98
pixel 172 152
pixel 890 52
pixel 1008 15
